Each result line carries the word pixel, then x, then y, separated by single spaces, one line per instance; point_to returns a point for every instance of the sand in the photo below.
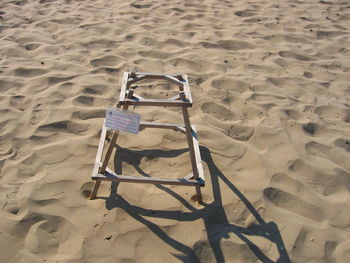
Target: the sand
pixel 270 84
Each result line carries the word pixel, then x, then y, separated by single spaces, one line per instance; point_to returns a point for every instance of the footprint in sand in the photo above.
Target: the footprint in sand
pixel 312 129
pixel 31 46
pixel 12 207
pixel 28 167
pixel 245 13
pixel 95 89
pixel 293 204
pixel 228 44
pixel 5 85
pixel 140 6
pixel 331 184
pixel 55 80
pixel 29 72
pixel 51 234
pixel 231 246
pixel 219 112
pixel 20 102
pixel 343 144
pixel 64 126
pixel 231 84
pixel 265 97
pixel 318 149
pixel 99 44
pixel 329 34
pixel 155 54
pixel 203 251
pixel 38 113
pixel 329 112
pixel 105 61
pixel 346 115
pixel 342 252
pixel 85 189
pixel 84 100
pixel 89 114
pixel 105 70
pixel 241 133
pixel 289 54
pixel 172 44
pixel 336 155
pixel 292 114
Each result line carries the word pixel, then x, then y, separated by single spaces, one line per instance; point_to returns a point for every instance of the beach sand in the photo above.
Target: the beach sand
pixel 271 89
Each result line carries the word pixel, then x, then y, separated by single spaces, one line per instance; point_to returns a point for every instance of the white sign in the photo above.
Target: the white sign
pixel 122 120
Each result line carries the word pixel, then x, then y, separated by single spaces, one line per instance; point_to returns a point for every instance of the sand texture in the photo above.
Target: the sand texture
pixel 270 82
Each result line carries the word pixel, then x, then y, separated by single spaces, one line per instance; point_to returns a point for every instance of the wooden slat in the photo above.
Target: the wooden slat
pixel 158 102
pixel 133 95
pixel 138 97
pixel 123 87
pixel 190 142
pixel 111 176
pixel 100 150
pixel 141 76
pixel 155 74
pixel 189 176
pixel 130 93
pixel 98 161
pixel 111 144
pixel 95 189
pixel 138 78
pixel 182 95
pixel 174 80
pixel 187 89
pixel 145 124
pixel 197 154
pixel 176 97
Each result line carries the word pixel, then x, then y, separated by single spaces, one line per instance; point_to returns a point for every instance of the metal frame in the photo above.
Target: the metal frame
pixel 127 97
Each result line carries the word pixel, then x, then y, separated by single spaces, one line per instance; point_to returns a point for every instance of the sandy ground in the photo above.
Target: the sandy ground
pixel 271 88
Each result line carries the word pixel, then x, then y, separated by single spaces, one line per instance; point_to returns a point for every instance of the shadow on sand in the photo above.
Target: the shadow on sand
pixel 213 214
